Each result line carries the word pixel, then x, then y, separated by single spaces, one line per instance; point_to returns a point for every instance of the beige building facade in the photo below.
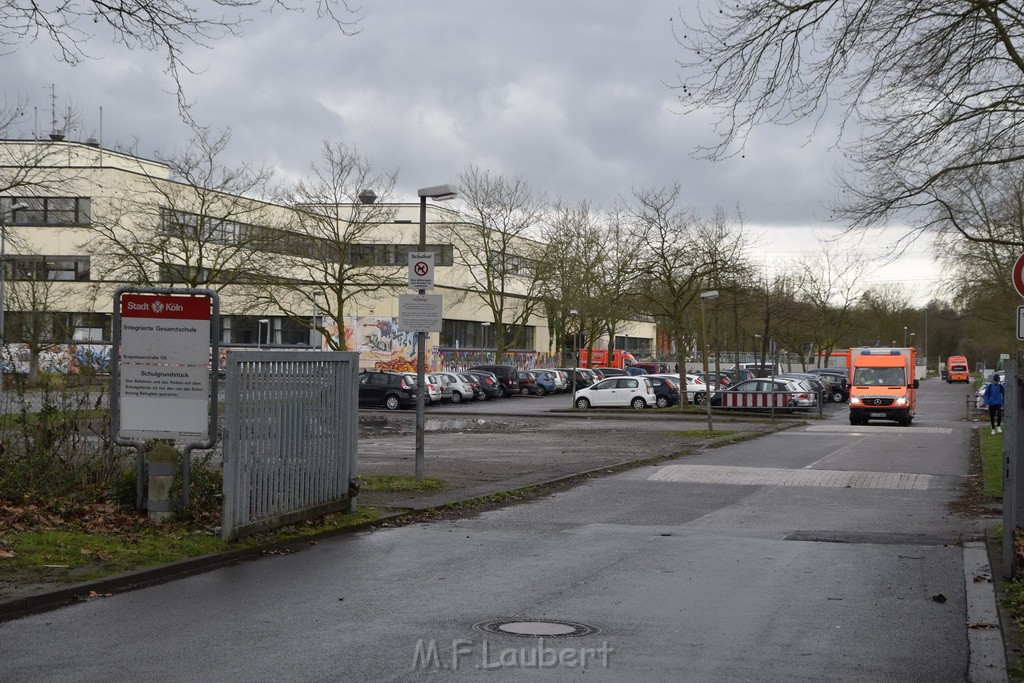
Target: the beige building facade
pixel 79 221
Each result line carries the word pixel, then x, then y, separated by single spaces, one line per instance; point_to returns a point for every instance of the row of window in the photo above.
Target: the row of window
pixel 70 211
pixel 235 329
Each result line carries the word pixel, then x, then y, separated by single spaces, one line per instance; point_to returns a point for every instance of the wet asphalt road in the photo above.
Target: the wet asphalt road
pixel 819 552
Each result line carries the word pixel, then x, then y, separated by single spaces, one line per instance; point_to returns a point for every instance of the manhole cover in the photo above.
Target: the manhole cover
pixel 529 628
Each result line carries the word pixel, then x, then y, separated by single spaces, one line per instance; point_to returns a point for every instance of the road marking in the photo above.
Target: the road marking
pixel 878 429
pixel 771 476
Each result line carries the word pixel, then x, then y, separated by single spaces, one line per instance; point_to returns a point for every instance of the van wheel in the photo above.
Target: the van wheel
pixel 837 397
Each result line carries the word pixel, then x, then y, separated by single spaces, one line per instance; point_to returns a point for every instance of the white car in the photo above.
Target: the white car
pixel 434 388
pixel 617 392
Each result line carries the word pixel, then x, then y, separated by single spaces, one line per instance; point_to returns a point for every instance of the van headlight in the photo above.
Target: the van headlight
pixel 901 401
pixel 854 401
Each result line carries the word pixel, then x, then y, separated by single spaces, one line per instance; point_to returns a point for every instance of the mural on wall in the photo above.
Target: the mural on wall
pixel 64 359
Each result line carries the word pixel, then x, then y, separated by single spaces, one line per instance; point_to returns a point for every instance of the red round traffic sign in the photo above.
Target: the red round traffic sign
pixel 1018 275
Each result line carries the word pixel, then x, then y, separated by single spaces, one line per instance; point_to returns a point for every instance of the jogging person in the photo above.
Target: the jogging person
pixel 993 398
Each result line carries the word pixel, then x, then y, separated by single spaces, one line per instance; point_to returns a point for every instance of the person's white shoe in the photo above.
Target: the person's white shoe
pixel 993 431
pixel 999 429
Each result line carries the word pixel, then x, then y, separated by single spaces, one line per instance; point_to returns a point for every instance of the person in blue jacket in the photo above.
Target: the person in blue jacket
pixel 993 398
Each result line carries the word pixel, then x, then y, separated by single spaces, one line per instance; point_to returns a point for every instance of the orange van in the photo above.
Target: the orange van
pixel 957 370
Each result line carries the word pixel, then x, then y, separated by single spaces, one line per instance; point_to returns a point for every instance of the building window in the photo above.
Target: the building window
pixel 203 228
pixel 48 210
pixel 469 334
pixel 36 267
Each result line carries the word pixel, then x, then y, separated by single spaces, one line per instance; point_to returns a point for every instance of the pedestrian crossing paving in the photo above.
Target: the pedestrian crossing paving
pixel 771 476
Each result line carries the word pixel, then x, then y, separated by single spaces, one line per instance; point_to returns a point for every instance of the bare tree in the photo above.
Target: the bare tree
pixel 170 26
pixel 571 259
pixel 332 256
pixel 935 88
pixel 201 228
pixel 683 254
pixel 497 244
pixel 831 287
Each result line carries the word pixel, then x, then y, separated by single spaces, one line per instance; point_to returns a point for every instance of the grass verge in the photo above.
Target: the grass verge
pixel 991 451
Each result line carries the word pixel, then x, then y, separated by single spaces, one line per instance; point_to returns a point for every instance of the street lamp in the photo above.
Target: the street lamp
pixel 259 332
pixel 912 335
pixel 312 320
pixel 3 282
pixel 574 362
pixel 904 336
pixel 438 193
pixel 711 294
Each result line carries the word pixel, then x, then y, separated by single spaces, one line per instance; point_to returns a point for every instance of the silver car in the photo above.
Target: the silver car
pixel 459 389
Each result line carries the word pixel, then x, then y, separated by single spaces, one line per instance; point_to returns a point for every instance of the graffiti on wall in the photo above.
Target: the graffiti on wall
pixel 64 359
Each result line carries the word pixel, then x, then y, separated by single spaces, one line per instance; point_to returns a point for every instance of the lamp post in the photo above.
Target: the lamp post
pixel 704 296
pixel 437 193
pixel 904 336
pixel 757 352
pixel 3 283
pixel 259 332
pixel 573 314
pixel 912 335
pixel 312 320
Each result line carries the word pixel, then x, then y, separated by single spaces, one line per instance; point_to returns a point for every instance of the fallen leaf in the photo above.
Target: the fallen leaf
pixel 86 551
pixel 94 594
pixel 939 597
pixel 982 579
pixel 976 624
pixel 104 555
pixel 6 553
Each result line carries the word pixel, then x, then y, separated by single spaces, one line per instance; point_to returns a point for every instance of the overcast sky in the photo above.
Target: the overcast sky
pixel 573 96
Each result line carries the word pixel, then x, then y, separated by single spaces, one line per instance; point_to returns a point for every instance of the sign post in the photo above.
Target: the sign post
pixel 164 371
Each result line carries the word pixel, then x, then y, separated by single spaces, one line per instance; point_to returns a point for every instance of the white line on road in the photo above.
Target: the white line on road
pixel 771 476
pixel 877 429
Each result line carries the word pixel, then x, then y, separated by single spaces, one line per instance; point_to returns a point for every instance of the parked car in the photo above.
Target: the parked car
pixel 508 377
pixel 801 395
pixel 438 387
pixel 617 392
pixel 666 391
pixel 545 381
pixel 840 380
pixel 490 386
pixel 651 368
pixel 433 390
pixel 460 389
pixel 393 390
pixel 817 383
pixel 605 373
pixel 634 371
pixel 527 382
pixel 473 382
pixel 559 379
pixel 696 390
pixel 581 381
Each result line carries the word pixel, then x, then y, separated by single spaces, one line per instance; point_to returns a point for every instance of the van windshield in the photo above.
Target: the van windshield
pixel 890 377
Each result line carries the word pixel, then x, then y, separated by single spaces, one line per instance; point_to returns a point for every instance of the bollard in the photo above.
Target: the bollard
pixel 163 464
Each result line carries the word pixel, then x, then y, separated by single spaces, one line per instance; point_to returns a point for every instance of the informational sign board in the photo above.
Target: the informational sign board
pixel 1020 323
pixel 421 270
pixel 420 312
pixel 164 382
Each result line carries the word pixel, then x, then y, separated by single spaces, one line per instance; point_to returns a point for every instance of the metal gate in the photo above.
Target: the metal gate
pixel 290 435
